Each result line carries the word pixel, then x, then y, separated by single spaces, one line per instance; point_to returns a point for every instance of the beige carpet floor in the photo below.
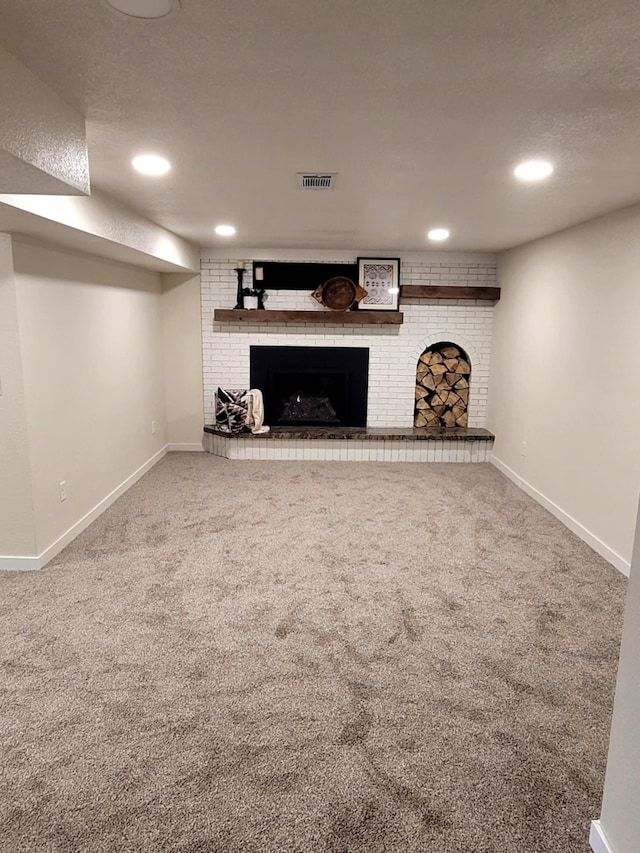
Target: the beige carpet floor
pixel 269 657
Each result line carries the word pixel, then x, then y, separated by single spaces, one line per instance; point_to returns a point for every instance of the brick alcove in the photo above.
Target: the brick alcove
pixel 443 378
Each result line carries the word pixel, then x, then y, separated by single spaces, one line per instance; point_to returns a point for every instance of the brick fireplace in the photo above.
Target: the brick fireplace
pixel 394 351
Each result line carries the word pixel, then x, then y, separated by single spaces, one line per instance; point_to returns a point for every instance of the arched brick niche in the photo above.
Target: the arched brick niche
pixel 443 377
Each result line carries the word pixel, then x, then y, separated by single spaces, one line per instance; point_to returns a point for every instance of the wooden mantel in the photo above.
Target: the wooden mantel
pixel 449 291
pixel 351 318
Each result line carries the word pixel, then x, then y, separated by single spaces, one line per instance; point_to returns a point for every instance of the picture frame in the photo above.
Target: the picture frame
pixel 380 277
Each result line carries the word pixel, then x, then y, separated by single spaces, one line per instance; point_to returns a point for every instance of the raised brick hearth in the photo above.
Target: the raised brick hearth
pixel 353 444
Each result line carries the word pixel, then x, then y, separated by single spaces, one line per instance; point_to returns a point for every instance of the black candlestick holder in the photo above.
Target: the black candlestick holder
pixel 239 294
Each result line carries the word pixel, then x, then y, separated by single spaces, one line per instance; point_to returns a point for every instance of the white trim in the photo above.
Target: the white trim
pixel 19 564
pixel 185 446
pixel 586 535
pixel 598 840
pixel 34 563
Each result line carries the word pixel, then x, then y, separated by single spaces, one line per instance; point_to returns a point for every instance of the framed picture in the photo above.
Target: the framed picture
pixel 380 277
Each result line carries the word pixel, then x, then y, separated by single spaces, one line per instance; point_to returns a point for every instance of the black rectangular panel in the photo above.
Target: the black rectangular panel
pixel 279 275
pixel 311 386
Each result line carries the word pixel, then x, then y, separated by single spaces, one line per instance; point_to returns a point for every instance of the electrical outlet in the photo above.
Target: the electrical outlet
pixel 62 485
pixel 524 449
pixel 153 427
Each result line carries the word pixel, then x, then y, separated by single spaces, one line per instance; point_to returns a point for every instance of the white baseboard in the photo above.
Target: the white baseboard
pixel 19 564
pixel 34 563
pixel 185 447
pixel 591 539
pixel 598 840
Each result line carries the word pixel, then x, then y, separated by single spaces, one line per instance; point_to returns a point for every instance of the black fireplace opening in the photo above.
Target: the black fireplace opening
pixel 312 386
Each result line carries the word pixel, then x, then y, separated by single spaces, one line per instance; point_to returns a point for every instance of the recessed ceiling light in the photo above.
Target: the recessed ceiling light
pixel 150 164
pixel 439 234
pixel 533 170
pixel 225 230
pixel 148 9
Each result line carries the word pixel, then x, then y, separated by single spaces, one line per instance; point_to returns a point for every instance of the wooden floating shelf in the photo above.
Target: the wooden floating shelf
pixel 434 291
pixel 351 318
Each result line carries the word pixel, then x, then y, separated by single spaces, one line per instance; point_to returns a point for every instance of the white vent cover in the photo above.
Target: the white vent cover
pixel 316 180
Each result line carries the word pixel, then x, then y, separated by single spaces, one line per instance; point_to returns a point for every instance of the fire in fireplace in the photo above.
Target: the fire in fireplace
pixel 312 386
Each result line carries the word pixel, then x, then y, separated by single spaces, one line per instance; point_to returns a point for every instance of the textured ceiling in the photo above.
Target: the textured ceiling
pixel 422 106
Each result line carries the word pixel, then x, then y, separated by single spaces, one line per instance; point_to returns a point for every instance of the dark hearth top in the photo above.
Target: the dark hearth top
pixel 366 433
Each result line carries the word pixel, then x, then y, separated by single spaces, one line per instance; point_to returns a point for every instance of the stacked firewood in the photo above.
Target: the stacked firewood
pixel 442 387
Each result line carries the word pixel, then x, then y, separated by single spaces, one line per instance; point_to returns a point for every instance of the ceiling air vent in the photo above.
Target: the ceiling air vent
pixel 317 180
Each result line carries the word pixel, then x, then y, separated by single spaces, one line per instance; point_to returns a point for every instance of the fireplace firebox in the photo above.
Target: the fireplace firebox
pixel 312 386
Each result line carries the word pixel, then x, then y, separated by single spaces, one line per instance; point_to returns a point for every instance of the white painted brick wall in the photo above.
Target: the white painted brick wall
pixel 393 350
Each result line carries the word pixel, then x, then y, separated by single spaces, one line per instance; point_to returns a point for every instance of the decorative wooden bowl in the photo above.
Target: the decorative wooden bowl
pixel 339 293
